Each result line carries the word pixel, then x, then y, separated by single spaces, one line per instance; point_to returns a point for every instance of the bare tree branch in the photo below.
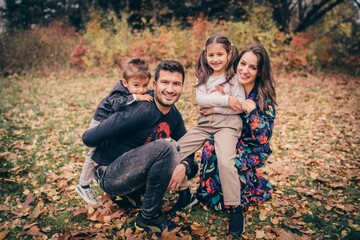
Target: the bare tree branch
pixel 357 3
pixel 315 14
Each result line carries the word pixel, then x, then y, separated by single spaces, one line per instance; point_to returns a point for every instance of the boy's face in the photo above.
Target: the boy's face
pixel 137 85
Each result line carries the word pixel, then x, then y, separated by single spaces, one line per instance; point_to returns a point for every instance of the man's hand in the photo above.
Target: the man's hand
pixel 144 97
pixel 177 177
pixel 206 111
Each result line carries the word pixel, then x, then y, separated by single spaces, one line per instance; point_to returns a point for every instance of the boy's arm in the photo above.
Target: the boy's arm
pixel 143 97
pixel 119 97
pixel 119 100
pixel 122 98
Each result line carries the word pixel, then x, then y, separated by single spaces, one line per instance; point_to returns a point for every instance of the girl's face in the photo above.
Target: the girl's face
pixel 217 58
pixel 247 70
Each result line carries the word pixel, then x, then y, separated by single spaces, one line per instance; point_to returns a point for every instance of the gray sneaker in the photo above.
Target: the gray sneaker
pixel 87 194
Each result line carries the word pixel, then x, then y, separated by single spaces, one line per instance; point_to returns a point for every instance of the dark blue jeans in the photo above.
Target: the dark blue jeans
pixel 148 167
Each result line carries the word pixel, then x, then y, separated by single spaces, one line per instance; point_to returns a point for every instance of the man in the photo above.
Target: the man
pixel 131 158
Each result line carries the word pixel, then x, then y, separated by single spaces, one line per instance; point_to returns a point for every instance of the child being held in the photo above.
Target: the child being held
pixel 133 88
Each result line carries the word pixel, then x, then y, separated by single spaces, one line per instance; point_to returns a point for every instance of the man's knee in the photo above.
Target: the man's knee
pixel 167 149
pixel 168 145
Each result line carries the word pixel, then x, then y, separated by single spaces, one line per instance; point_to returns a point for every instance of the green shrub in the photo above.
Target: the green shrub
pixel 108 40
pixel 39 49
pixel 336 41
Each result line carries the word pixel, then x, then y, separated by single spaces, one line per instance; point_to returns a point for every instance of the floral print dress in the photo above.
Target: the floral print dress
pixel 252 151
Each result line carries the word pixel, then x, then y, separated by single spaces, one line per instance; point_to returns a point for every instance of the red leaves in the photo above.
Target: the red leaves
pixel 172 235
pixel 77 55
pixel 104 212
pixel 23 209
pixel 4 233
pixel 313 166
pixel 198 229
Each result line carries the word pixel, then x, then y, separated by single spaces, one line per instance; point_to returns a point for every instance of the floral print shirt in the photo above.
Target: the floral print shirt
pixel 253 147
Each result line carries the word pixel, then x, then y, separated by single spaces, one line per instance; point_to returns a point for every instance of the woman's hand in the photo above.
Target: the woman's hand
pixel 177 177
pixel 248 106
pixel 234 103
pixel 206 111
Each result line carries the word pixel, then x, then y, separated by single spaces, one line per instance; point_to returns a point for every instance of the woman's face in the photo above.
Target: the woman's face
pixel 247 69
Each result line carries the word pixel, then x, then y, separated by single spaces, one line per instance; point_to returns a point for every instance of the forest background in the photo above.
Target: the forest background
pixel 58 59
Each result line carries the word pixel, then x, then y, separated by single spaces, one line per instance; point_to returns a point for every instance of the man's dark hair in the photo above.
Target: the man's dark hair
pixel 170 66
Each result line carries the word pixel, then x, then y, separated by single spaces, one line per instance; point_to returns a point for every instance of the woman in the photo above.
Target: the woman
pixel 254 73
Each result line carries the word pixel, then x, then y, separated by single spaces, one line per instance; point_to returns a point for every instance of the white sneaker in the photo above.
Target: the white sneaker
pixel 87 194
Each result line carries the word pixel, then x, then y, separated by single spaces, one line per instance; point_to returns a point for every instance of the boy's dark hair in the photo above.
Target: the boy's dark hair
pixel 136 67
pixel 170 66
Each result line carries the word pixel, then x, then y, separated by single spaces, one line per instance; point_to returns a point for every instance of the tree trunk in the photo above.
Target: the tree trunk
pixel 316 13
pixel 282 10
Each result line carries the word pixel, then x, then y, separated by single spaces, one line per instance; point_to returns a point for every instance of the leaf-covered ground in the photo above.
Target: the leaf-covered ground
pixel 315 165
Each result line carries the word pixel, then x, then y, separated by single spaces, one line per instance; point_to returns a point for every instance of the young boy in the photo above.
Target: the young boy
pixel 128 91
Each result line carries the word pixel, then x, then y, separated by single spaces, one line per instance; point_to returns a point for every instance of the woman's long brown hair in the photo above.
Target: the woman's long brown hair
pixel 264 81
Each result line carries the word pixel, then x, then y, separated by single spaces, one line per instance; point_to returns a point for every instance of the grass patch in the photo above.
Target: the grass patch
pixel 42 120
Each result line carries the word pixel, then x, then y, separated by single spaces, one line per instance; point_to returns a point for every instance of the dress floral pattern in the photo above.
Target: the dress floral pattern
pixel 252 151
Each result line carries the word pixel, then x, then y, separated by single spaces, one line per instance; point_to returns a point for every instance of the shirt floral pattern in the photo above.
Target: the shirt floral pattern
pixel 252 151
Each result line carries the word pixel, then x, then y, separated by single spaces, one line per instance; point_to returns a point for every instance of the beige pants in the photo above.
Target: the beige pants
pixel 226 130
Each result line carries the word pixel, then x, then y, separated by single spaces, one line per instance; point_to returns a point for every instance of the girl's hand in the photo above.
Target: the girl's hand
pixel 248 105
pixel 206 111
pixel 144 97
pixel 220 89
pixel 234 103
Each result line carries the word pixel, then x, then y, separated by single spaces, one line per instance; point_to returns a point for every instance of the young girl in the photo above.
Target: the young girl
pixel 253 148
pixel 214 71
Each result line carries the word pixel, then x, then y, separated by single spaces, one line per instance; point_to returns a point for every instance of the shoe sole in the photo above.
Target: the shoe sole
pixel 139 228
pixel 238 233
pixel 81 195
pixel 147 228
